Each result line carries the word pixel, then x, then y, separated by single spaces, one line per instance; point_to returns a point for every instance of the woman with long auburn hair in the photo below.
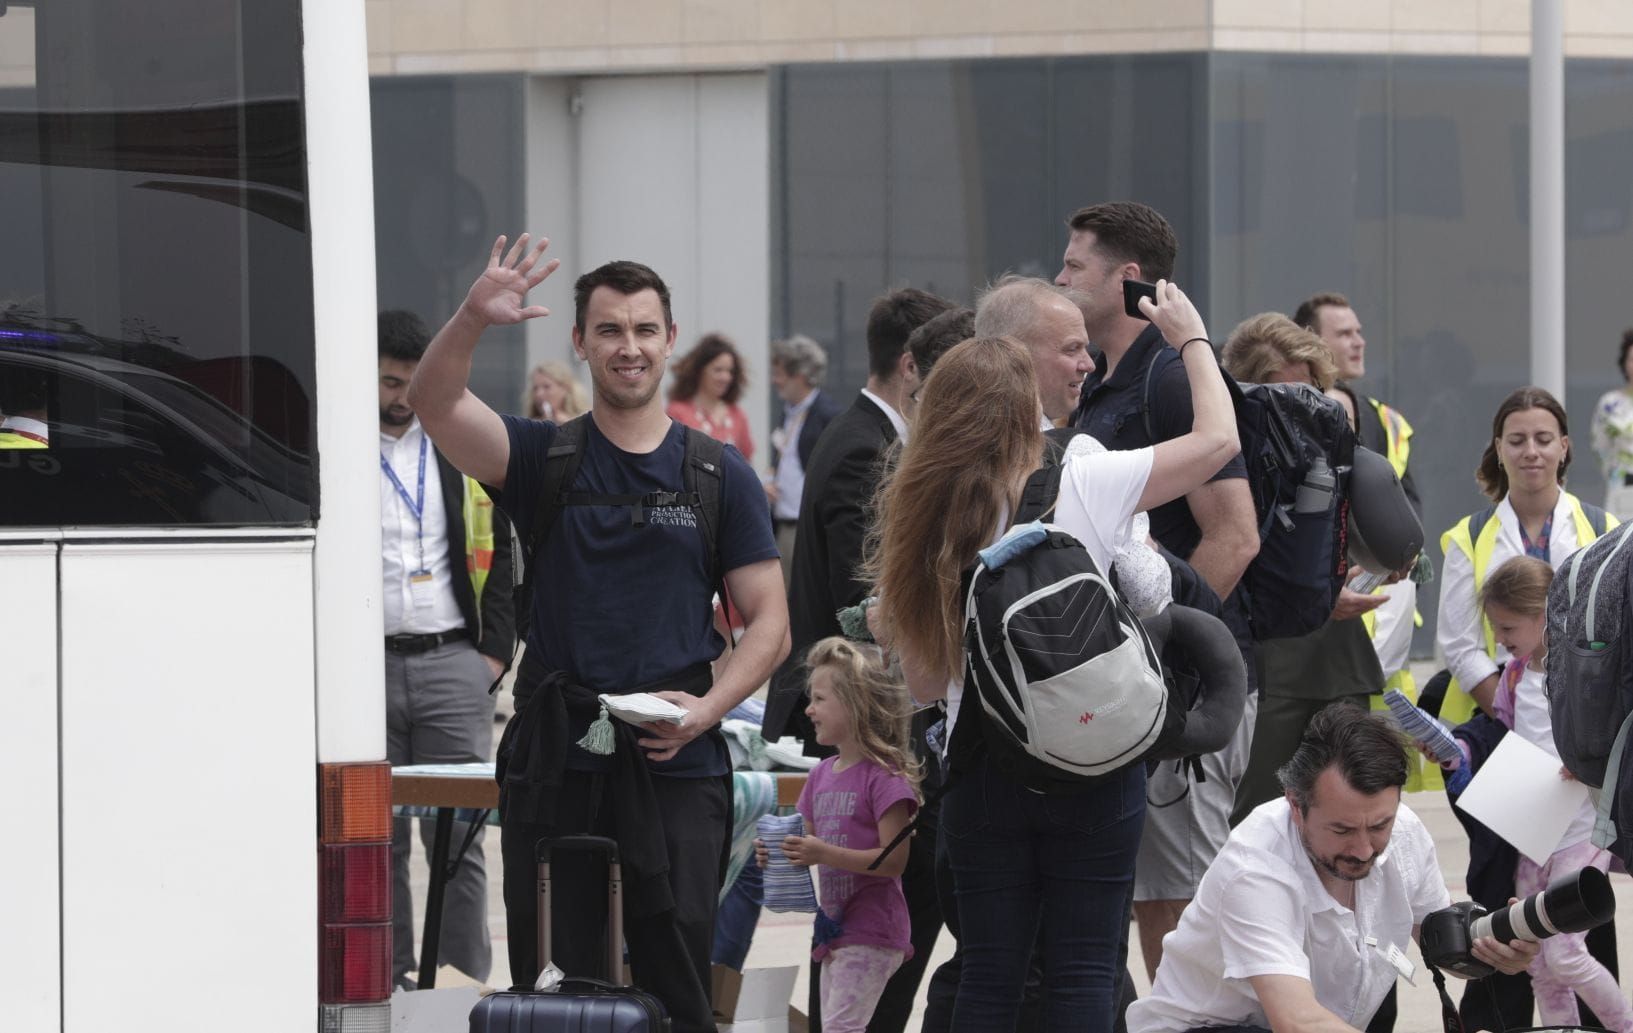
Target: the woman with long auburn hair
pixel 1047 863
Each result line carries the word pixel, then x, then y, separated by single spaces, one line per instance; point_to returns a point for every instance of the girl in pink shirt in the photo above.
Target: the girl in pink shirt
pixel 853 803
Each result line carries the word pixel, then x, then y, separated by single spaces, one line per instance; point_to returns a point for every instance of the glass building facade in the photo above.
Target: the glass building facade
pixel 1401 182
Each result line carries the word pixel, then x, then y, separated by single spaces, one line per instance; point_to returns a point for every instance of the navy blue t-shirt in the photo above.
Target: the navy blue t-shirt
pixel 1111 410
pixel 617 606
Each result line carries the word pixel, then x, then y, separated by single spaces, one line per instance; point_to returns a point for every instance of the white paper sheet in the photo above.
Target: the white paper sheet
pixel 1519 795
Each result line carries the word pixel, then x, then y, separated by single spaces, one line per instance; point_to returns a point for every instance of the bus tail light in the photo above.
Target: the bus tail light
pixel 356 883
pixel 354 894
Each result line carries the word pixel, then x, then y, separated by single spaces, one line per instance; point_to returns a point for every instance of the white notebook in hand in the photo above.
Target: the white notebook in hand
pixel 639 708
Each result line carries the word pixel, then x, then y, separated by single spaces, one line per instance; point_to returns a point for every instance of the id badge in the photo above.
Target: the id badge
pixel 1396 959
pixel 422 588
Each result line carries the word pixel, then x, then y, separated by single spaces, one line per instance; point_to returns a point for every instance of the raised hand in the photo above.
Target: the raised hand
pixel 499 295
pixel 1173 314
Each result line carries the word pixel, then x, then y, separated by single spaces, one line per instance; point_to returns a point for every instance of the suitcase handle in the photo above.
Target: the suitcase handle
pixel 615 896
pixel 575 844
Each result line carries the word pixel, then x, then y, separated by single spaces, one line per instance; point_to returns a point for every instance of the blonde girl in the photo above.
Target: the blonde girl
pixel 1515 601
pixel 853 803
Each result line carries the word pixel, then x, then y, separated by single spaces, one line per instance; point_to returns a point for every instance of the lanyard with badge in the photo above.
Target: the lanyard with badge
pixel 419 579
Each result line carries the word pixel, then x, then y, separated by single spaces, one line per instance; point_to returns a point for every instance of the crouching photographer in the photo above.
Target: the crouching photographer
pixel 1301 923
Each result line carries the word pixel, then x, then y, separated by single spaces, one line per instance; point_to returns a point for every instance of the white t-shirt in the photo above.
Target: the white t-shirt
pixel 1261 910
pixel 1535 726
pixel 1099 493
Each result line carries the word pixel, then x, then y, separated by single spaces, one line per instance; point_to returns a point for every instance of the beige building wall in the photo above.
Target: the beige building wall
pixel 425 36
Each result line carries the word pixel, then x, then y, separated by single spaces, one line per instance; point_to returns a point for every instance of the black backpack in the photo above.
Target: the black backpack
pixel 702 488
pixel 1299 448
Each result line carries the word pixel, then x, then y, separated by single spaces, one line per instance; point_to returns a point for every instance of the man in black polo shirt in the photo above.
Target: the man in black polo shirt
pixel 1213 529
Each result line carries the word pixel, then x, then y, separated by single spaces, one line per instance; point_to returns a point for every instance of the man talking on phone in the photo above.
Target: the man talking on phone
pixel 1214 529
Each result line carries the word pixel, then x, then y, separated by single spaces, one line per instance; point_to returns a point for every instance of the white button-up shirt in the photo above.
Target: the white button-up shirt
pixel 790 476
pixel 426 607
pixel 1261 910
pixel 1460 635
pixel 896 418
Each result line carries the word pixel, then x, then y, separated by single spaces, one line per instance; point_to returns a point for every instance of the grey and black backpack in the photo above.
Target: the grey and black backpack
pixel 1067 684
pixel 1590 678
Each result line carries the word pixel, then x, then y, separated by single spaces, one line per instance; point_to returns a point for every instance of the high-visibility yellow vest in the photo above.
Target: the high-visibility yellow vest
pixel 1397 436
pixel 1459 706
pixel 9 439
pixel 1420 775
pixel 478 510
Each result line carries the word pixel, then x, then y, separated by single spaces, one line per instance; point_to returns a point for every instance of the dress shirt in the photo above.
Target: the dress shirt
pixel 896 418
pixel 431 608
pixel 1461 635
pixel 1261 910
pixel 790 476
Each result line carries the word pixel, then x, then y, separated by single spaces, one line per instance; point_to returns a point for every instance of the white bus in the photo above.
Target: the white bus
pixel 194 738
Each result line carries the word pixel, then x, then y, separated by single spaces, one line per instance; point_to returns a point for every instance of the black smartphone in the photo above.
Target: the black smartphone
pixel 1133 291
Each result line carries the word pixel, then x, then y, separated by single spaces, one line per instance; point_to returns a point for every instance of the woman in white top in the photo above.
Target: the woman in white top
pixel 1029 866
pixel 1523 472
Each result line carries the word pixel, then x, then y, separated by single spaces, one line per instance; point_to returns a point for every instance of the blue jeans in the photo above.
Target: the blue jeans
pixel 739 914
pixel 1054 870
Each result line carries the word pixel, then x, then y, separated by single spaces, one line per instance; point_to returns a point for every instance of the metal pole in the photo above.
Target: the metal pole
pixel 1547 197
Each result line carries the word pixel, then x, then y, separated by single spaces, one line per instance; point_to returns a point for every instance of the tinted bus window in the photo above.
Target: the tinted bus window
pixel 156 339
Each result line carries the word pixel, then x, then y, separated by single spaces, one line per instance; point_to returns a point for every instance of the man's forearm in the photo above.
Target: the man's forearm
pixel 442 376
pixel 751 662
pixel 1221 563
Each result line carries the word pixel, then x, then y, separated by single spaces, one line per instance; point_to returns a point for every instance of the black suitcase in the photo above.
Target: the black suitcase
pixel 577 1005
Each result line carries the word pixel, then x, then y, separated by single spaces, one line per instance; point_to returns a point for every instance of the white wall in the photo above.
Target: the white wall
pixel 671 171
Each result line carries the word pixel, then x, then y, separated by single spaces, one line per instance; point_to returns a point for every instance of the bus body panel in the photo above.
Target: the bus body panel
pixel 188 783
pixel 351 694
pixel 29 950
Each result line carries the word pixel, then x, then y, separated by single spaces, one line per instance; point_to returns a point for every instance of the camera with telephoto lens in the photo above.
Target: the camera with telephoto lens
pixel 1571 904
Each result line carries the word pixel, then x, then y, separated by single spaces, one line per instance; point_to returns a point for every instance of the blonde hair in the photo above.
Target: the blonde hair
pixel 577 401
pixel 974 439
pixel 1262 345
pixel 875 701
pixel 1520 586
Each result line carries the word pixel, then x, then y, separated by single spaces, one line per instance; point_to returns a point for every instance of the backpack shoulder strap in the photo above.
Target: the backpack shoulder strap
pixel 1478 522
pixel 703 477
pixel 1604 822
pixel 1162 358
pixel 1598 519
pixel 1055 442
pixel 1039 495
pixel 561 465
